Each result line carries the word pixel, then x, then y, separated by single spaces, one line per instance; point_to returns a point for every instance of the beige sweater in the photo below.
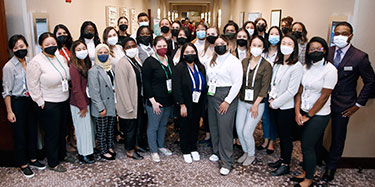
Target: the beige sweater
pixel 126 90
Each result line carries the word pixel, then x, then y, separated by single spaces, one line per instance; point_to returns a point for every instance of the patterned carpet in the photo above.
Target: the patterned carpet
pixel 173 171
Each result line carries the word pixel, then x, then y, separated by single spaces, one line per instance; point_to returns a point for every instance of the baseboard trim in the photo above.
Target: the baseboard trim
pixel 356 162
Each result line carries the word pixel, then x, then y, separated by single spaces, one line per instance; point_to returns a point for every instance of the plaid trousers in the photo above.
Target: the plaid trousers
pixel 105 132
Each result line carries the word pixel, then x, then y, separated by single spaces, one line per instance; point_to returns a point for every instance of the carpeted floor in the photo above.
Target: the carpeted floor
pixel 173 171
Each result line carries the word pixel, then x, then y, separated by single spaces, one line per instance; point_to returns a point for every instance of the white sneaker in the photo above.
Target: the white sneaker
pixel 165 151
pixel 214 158
pixel 195 155
pixel 155 157
pixel 187 158
pixel 224 171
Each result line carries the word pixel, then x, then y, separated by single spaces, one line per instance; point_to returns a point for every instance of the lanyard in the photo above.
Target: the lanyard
pixel 254 75
pixel 165 71
pixel 66 55
pixel 193 80
pixel 274 79
pixel 66 75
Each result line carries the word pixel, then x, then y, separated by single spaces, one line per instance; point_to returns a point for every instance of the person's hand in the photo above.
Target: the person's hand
pixel 11 117
pixel 42 107
pixel 156 108
pixel 83 112
pixel 299 119
pixel 223 108
pixel 183 111
pixel 103 113
pixel 350 111
pixel 254 111
pixel 305 119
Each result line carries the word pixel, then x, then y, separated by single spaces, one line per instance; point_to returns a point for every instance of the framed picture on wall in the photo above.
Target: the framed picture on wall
pixel 275 17
pixel 252 16
pixel 332 32
pixel 111 16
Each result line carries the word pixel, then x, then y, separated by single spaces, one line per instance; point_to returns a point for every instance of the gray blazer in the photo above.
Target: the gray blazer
pixel 101 92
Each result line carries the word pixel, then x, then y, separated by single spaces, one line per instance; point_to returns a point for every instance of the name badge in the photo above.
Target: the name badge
pixel 348 68
pixel 249 94
pixel 87 92
pixel 114 95
pixel 211 90
pixel 169 85
pixel 65 85
pixel 196 96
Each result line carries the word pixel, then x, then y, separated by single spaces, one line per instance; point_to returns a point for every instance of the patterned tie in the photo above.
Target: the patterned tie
pixel 337 60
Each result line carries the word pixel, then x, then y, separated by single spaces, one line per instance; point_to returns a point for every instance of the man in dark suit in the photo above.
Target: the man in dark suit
pixel 351 63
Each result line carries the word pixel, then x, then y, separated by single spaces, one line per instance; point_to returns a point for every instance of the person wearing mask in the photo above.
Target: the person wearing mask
pixel 80 103
pixel 300 33
pixel 261 27
pixel 200 40
pixel 165 28
pixel 351 63
pixel 101 79
pixel 64 41
pixel 128 88
pixel 268 125
pixel 230 30
pixel 224 79
pixel 243 39
pixel 89 34
pixel 144 40
pixel 312 104
pixel 21 110
pixel 142 20
pixel 189 92
pixel 249 26
pixel 47 77
pixel 182 38
pixel 286 24
pixel 110 38
pixel 123 25
pixel 176 26
pixel 157 81
pixel 257 73
pixel 286 78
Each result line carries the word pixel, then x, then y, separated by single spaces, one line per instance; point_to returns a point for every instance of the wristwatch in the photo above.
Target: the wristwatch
pixel 307 115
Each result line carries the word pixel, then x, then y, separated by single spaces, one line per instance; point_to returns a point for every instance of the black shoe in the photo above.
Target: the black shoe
pixel 329 175
pixel 276 164
pixel 113 154
pixel 140 149
pixel 269 151
pixel 296 179
pixel 282 170
pixel 260 148
pixel 107 158
pixel 27 172
pixel 135 156
pixel 37 165
pixel 86 159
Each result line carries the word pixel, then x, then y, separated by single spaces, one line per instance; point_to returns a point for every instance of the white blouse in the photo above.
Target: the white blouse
pixel 207 55
pixel 91 49
pixel 118 53
pixel 270 59
pixel 241 54
pixel 199 44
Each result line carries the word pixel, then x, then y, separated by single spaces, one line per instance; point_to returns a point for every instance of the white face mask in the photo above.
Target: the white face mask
pixel 143 23
pixel 250 31
pixel 286 50
pixel 340 41
pixel 112 40
pixel 82 54
pixel 131 52
pixel 256 51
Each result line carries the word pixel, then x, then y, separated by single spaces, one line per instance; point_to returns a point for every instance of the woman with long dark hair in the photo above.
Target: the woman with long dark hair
pixel 89 34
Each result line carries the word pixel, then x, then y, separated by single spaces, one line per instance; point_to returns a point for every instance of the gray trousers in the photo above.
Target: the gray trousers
pixel 221 126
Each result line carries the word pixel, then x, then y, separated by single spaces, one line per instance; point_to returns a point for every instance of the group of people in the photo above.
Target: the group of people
pixel 232 80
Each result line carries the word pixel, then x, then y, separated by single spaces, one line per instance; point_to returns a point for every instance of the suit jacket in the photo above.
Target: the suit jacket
pixel 101 92
pixel 355 64
pixel 78 96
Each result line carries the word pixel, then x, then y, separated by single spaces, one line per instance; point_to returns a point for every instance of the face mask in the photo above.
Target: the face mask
pixel 230 35
pixel 256 51
pixel 340 41
pixel 190 58
pixel 164 29
pixel 88 35
pixel 62 39
pixel 286 50
pixel 201 34
pixel 21 53
pixel 297 34
pixel 221 49
pixel 211 39
pixel 316 56
pixel 250 31
pixel 285 30
pixel 241 42
pixel 143 23
pixel 123 27
pixel 145 40
pixel 103 58
pixel 261 27
pixel 273 39
pixel 181 41
pixel 131 52
pixel 50 50
pixel 82 54
pixel 112 40
pixel 175 32
pixel 161 51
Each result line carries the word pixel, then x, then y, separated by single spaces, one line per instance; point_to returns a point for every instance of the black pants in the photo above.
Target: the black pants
pixel 189 129
pixel 312 131
pixel 284 120
pixel 53 118
pixel 24 129
pixel 129 128
pixel 104 134
pixel 141 129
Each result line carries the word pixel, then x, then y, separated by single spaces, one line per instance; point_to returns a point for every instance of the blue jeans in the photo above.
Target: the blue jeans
pixel 268 124
pixel 156 127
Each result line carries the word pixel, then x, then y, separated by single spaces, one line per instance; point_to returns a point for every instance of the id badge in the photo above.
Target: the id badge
pixel 65 85
pixel 249 94
pixel 211 90
pixel 87 92
pixel 114 95
pixel 196 96
pixel 169 85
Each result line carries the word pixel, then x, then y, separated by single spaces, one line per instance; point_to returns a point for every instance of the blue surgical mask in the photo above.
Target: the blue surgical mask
pixel 103 58
pixel 201 34
pixel 273 39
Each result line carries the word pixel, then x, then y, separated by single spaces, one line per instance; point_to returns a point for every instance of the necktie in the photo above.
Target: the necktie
pixel 337 60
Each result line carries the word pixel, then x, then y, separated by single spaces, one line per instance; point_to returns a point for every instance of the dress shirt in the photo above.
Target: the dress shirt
pixel 270 59
pixel 14 78
pixel 241 54
pixel 91 49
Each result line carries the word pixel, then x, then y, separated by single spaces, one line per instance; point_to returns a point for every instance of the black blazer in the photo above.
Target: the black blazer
pixel 355 64
pixel 182 88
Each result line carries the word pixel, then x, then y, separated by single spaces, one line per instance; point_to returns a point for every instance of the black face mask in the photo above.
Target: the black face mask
pixel 190 58
pixel 211 39
pixel 297 34
pixel 164 29
pixel 261 27
pixel 145 40
pixel 62 39
pixel 221 49
pixel 316 56
pixel 88 35
pixel 123 27
pixel 230 35
pixel 174 32
pixel 21 53
pixel 50 50
pixel 285 30
pixel 181 41
pixel 242 42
